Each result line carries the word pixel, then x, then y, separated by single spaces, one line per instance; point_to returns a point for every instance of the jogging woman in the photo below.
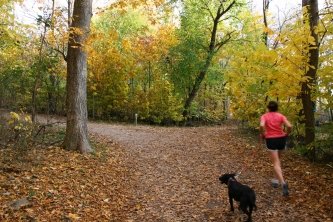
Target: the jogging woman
pixel 271 131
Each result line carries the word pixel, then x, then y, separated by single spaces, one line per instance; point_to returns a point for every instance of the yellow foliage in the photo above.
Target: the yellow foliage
pixel 14 116
pixel 257 73
pixel 128 74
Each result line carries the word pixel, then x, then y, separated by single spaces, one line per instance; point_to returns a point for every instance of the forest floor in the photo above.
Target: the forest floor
pixel 150 173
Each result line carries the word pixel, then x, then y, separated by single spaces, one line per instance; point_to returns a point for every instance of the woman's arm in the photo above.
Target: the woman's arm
pixel 262 129
pixel 288 125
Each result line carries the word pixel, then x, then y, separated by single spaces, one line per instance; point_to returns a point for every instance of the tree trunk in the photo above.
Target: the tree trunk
pixel 38 75
pixel 306 94
pixel 76 101
pixel 195 88
pixel 265 7
pixel 51 108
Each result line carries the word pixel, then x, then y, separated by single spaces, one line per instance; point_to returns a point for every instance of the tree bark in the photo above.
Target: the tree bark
pixel 307 90
pixel 34 92
pixel 265 7
pixel 76 101
pixel 51 108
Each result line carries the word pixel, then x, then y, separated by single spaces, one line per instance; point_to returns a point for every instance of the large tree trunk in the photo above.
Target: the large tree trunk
pixel 76 102
pixel 306 94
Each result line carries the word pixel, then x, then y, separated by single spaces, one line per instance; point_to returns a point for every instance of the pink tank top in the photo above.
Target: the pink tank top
pixel 273 124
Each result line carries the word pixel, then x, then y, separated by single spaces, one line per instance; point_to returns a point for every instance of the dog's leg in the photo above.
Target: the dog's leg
pixel 250 213
pixel 231 203
pixel 243 206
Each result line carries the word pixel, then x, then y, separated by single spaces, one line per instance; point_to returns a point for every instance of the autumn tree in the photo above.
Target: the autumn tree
pixel 76 102
pixel 205 29
pixel 17 54
pixel 258 73
pixel 282 73
pixel 325 66
pixel 311 12
pixel 112 61
pixel 7 36
pixel 129 67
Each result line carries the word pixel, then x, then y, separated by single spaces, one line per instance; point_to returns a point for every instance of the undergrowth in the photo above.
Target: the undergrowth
pixel 21 141
pixel 323 142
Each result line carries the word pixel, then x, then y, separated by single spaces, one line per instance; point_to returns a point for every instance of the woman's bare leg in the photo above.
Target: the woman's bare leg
pixel 275 158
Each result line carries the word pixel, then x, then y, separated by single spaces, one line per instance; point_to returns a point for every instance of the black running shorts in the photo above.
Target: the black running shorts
pixel 276 143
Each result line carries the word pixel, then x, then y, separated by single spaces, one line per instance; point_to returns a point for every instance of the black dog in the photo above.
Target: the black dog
pixel 242 193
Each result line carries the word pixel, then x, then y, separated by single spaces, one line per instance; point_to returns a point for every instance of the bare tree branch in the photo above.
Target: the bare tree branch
pixel 220 44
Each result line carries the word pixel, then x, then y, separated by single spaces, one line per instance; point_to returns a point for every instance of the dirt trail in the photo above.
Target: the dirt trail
pixel 173 175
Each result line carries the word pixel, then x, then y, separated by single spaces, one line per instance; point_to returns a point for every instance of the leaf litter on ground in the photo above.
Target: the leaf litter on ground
pixel 149 173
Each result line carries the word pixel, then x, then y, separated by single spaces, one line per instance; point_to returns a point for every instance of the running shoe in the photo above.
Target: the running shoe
pixel 285 189
pixel 275 183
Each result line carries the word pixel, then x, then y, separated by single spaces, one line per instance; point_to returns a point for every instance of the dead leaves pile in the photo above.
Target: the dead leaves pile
pixel 64 186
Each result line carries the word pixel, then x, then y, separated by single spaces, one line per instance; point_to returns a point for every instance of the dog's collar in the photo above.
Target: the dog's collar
pixel 231 180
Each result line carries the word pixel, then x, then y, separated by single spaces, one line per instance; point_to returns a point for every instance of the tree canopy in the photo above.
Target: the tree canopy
pixel 170 61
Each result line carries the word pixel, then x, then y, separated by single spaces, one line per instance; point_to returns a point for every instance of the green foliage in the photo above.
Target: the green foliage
pixel 8 36
pixel 15 81
pixel 196 49
pixel 163 105
pixel 325 87
pixel 324 142
pixel 302 149
pixel 20 59
pixel 127 22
